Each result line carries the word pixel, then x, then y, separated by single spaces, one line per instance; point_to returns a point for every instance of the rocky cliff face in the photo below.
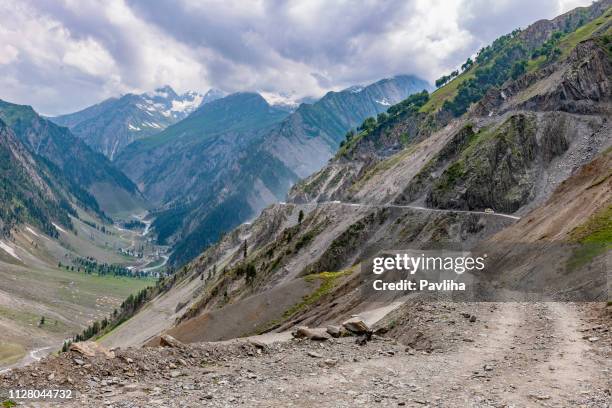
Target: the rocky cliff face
pixel 579 84
pixel 500 166
pixel 541 30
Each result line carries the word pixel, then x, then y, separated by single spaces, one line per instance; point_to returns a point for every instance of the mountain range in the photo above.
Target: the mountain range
pixel 234 156
pixel 521 173
pixel 111 125
pixel 202 163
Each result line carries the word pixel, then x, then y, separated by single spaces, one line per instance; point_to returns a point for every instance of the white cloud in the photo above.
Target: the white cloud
pixel 90 57
pixel 8 53
pixel 63 55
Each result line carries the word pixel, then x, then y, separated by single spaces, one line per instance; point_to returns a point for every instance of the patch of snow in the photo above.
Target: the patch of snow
pixel 353 89
pixel 9 250
pixel 132 127
pixel 114 150
pixel 31 231
pixel 153 125
pixel 165 102
pixel 59 228
pixel 187 105
pixel 383 102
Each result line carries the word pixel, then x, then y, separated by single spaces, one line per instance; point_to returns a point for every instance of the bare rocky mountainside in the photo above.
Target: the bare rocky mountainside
pixel 509 159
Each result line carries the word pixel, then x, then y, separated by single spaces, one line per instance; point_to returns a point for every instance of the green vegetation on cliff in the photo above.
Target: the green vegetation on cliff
pixel 594 237
pixel 510 56
pixel 22 200
pixel 491 170
pixel 373 127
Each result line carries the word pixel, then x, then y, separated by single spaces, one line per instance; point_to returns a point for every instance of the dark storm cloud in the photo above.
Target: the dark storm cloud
pixel 276 35
pixel 63 55
pixel 326 35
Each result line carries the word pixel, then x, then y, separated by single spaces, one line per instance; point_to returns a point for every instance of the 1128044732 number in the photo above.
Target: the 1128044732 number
pixel 35 394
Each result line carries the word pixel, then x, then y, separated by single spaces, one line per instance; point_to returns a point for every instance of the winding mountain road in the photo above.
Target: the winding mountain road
pixel 413 207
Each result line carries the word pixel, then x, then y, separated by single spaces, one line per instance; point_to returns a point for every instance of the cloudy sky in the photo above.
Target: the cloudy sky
pixel 62 55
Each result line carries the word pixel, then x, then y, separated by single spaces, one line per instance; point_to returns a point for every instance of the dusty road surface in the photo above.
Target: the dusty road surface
pixel 443 355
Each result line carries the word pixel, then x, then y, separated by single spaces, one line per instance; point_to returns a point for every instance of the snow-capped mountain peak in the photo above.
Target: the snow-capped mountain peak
pixel 166 102
pixel 113 124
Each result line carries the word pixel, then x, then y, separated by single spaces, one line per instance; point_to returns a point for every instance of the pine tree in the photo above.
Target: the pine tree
pixel 251 273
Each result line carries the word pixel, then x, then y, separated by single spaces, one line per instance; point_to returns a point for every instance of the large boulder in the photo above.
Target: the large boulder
pixel 167 340
pixel 303 332
pixel 356 325
pixel 90 349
